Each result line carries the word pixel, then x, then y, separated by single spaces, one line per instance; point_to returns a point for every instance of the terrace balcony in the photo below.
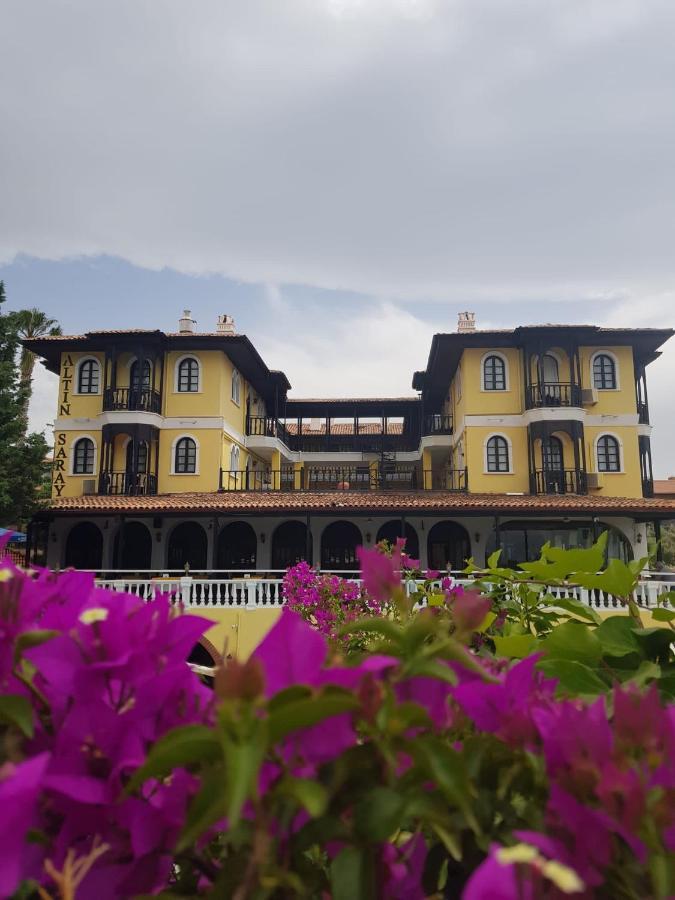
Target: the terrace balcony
pixel 437 424
pixel 126 483
pixel 132 400
pixel 552 394
pixel 359 478
pixel 559 481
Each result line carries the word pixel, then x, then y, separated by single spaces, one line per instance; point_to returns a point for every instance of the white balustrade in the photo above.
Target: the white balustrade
pixel 267 593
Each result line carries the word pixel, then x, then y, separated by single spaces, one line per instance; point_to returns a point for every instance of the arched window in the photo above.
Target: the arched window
pixel 185 456
pixel 141 457
pixel 549 369
pixel 497 454
pixel 133 376
pixel 83 457
pixel 84 547
pixel 552 454
pixel 236 387
pixel 88 377
pixel 494 373
pixel 608 453
pixel 604 372
pixel 234 458
pixel 187 381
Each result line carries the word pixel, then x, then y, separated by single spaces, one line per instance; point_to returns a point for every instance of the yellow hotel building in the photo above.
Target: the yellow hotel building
pixel 184 449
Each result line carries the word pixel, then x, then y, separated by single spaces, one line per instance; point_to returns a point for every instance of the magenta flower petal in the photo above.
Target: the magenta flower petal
pixel 20 786
pixel 292 652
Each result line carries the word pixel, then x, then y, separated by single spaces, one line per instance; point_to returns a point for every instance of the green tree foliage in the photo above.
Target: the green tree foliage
pixel 21 456
pixel 31 323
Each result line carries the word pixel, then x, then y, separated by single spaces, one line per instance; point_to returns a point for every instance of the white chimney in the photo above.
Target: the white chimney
pixel 466 321
pixel 186 324
pixel 225 324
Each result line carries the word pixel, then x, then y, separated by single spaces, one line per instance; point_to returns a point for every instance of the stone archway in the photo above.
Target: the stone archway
pixel 338 546
pixel 132 547
pixel 393 529
pixel 448 544
pixel 84 547
pixel 290 544
pixel 237 547
pixel 187 545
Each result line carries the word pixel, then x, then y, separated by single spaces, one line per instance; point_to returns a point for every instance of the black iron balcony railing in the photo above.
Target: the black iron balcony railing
pixel 560 481
pixel 647 487
pixel 284 479
pixel 552 393
pixel 127 483
pixel 132 399
pixel 446 480
pixel 366 441
pixel 437 424
pixel 344 478
pixel 643 413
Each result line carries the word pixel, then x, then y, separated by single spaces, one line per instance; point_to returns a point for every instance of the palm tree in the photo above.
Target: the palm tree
pixel 32 323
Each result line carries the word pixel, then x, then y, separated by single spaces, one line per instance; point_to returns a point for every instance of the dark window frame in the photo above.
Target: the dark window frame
pixel 89 377
pixel 608 452
pixel 185 457
pixel 604 372
pixel 84 456
pixel 497 455
pixel 494 373
pixel 187 381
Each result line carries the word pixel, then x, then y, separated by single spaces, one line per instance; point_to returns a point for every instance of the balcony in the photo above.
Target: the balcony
pixel 559 481
pixel 334 437
pixel 437 424
pixel 344 478
pixel 552 394
pixel 127 484
pixel 132 400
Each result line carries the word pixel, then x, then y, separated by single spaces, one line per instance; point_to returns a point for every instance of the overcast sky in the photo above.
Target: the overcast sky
pixel 343 176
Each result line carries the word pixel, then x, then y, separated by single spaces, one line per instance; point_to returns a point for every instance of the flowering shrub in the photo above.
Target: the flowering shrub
pixel 89 680
pixel 415 768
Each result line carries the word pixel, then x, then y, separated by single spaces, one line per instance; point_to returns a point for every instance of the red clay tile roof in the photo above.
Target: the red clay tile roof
pixel 384 501
pixel 665 487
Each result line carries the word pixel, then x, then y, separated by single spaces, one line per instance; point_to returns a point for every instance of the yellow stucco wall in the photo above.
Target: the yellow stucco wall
pixel 64 484
pixel 208 460
pixel 70 403
pixel 611 402
pixel 206 401
pixel 476 401
pixel 482 482
pixel 628 482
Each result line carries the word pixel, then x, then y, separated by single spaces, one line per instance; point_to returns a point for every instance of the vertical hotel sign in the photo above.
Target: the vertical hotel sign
pixel 58 479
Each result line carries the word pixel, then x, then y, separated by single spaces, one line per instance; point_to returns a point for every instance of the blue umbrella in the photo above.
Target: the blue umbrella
pixel 15 536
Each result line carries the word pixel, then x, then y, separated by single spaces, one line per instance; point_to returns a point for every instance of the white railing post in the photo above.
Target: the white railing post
pixel 186 590
pixel 251 594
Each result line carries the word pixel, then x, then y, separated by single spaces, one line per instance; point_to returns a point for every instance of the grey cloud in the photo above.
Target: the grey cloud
pixel 407 149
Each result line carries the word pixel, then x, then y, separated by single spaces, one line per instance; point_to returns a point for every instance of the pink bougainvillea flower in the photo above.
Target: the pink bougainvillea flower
pixel 380 573
pixel 292 652
pixel 20 787
pixel 408 563
pixel 577 739
pixel 522 872
pixel 432 574
pixel 403 867
pixel 469 609
pixel 506 709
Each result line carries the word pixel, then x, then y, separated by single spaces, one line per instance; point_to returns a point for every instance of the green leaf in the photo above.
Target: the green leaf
pixel 569 604
pixel 646 672
pixel 573 676
pixel 307 712
pixel 515 646
pixel 618 579
pixel 310 794
pixel 206 808
pixel 493 559
pixel 663 615
pixel 617 636
pixel 446 767
pixel 184 746
pixel 289 695
pixel 385 627
pixel 436 600
pixel 556 563
pixel 243 757
pixel 379 813
pixel 575 641
pixel 431 668
pixel 31 639
pixel 17 710
pixel 351 875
